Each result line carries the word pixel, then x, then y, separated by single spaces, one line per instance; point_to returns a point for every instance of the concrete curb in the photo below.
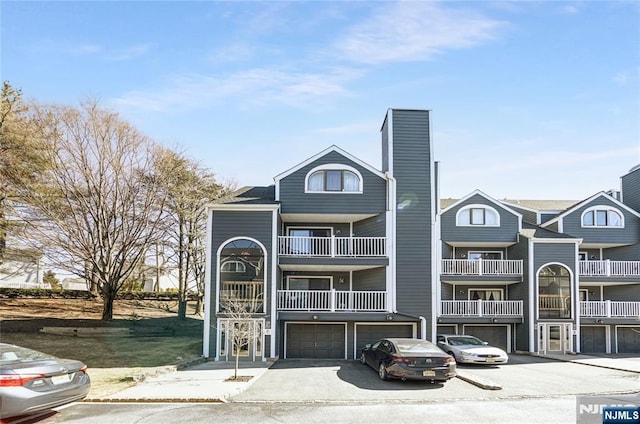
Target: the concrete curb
pixel 478 381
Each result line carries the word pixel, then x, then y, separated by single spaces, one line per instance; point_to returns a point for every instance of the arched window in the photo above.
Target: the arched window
pixel 602 216
pixel 241 277
pixel 478 215
pixel 233 266
pixel 333 178
pixel 554 292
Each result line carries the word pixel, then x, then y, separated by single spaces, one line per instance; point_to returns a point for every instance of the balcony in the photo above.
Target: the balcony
pixel 332 301
pixel 481 308
pixel 332 247
pixel 609 268
pixel 610 309
pixel 479 267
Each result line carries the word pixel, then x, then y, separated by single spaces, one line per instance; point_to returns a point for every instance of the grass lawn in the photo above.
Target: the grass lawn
pixel 158 340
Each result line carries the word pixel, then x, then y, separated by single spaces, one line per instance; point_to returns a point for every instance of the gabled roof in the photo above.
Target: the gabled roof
pixel 486 196
pixel 330 149
pixel 587 201
pixel 251 195
pixel 541 205
pixel 535 231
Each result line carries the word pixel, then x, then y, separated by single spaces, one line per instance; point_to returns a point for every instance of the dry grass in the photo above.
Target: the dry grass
pixel 113 361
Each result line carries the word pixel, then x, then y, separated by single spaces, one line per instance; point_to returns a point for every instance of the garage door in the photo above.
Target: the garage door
pixel 495 335
pixel 593 339
pixel 366 334
pixel 319 341
pixel 628 339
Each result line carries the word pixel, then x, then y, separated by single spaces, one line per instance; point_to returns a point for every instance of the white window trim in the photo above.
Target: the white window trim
pixel 309 277
pixel 470 252
pixel 244 267
pixel 501 290
pixel 477 206
pixel 332 167
pixel 602 208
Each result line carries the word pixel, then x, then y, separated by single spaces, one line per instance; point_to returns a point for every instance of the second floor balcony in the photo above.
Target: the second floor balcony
pixel 609 268
pixel 610 309
pixel 332 247
pixel 480 267
pixel 481 308
pixel 332 301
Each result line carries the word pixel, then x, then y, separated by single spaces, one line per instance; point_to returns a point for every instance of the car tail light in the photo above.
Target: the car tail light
pixel 16 380
pixel 399 360
pixel 449 360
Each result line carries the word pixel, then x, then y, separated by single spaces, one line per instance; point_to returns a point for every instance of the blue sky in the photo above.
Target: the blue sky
pixel 529 100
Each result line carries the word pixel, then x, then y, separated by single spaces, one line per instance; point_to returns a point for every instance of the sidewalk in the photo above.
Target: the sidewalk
pixel 629 363
pixel 204 382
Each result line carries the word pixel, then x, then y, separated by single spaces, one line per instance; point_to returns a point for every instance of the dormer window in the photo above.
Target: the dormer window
pixel 602 216
pixel 478 215
pixel 333 178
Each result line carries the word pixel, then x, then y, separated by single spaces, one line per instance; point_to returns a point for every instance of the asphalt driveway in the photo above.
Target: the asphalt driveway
pixel 307 380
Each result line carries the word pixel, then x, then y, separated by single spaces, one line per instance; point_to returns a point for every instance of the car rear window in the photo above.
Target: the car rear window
pixel 10 353
pixel 418 346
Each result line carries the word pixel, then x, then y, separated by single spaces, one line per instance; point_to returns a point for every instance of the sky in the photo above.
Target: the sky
pixel 529 100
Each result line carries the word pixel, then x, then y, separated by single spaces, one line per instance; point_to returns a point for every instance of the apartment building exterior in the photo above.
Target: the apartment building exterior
pixel 337 254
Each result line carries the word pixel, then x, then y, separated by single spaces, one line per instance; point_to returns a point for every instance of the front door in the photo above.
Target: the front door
pixel 241 338
pixel 555 338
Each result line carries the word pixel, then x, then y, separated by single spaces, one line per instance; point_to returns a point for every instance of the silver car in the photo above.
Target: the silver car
pixel 471 350
pixel 32 381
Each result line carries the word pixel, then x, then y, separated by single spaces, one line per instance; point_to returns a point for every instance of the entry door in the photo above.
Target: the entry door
pixel 555 338
pixel 242 338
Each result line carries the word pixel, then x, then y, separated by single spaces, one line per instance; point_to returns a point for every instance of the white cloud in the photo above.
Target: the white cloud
pixel 129 52
pixel 414 31
pixel 260 86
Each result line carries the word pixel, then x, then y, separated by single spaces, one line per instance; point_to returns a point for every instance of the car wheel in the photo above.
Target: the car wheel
pixel 382 372
pixel 363 361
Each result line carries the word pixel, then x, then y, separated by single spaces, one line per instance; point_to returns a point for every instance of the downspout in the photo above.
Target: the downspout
pixel 207 287
pixel 423 327
pixel 391 243
pixel 533 298
pixel 274 286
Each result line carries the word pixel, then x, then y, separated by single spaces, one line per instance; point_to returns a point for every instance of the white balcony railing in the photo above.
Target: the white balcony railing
pixel 481 267
pixel 332 246
pixel 610 309
pixel 332 300
pixel 609 268
pixel 480 308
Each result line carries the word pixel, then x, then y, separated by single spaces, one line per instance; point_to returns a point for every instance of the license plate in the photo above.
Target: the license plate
pixel 490 359
pixel 60 379
pixel 428 373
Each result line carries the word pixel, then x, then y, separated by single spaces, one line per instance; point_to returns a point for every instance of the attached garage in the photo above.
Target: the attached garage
pixel 369 333
pixel 496 335
pixel 593 339
pixel 628 339
pixel 315 341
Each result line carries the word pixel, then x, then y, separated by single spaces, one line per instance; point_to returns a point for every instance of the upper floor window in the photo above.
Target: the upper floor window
pixel 233 266
pixel 334 178
pixel 602 216
pixel 480 215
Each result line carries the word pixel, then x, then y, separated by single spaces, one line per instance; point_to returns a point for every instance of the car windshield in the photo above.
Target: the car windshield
pixel 11 353
pixel 418 346
pixel 459 341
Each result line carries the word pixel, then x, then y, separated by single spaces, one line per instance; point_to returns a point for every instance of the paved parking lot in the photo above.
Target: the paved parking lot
pixel 347 381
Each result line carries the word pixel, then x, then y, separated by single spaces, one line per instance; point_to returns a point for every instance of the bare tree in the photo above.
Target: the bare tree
pixel 100 204
pixel 240 307
pixel 21 159
pixel 188 187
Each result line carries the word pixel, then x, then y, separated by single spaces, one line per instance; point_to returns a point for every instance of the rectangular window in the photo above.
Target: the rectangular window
pixel 485 294
pixel 477 216
pixel 334 180
pixel 601 218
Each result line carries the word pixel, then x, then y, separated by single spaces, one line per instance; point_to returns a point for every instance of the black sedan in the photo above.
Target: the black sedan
pixel 409 359
pixel 32 381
